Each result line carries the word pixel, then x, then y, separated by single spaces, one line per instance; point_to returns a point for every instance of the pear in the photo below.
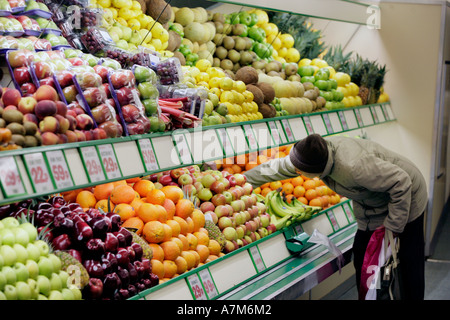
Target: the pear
pixel 126 33
pixel 115 30
pixel 146 35
pixel 136 38
pixel 122 44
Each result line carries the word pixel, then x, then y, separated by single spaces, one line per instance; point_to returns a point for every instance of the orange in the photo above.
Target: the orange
pixel 122 194
pixel 310 194
pixel 249 166
pixel 199 219
pixel 184 208
pixel 325 200
pixel 317 181
pixel 309 184
pixel 125 211
pixel 297 181
pixel 229 170
pixel 103 205
pixel 241 159
pixel 181 264
pixel 135 223
pixel 183 224
pixel 257 190
pixel 316 202
pixel 265 191
pixel 214 247
pixel 197 257
pixel 153 232
pixel 136 203
pixel 236 168
pixel 192 240
pixel 190 259
pixel 287 187
pixel 170 268
pixel 103 191
pixel 190 224
pixel 86 199
pixel 321 190
pixel 289 197
pixel 211 257
pixel 274 185
pixel 151 212
pixel 71 196
pixel 261 159
pixel 171 250
pixel 119 182
pixel 281 154
pixel 184 240
pixel 178 242
pixel 155 196
pixel 133 180
pixel 175 226
pixel 167 232
pixel 158 252
pixel 202 238
pixel 203 251
pixel 143 187
pixel 173 193
pixel 170 208
pixel 157 268
pixel 299 191
pixel 303 200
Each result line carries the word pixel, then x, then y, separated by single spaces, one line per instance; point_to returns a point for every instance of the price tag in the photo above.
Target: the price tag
pixel 274 132
pixel 348 212
pixel 308 125
pixel 386 112
pixel 109 161
pixel 59 169
pixel 359 118
pixel 257 260
pixel 288 130
pixel 196 287
pixel 148 154
pixel 253 145
pixel 10 178
pixel 226 143
pixel 92 164
pixel 183 149
pixel 343 121
pixel 38 172
pixel 333 220
pixel 374 115
pixel 326 120
pixel 208 283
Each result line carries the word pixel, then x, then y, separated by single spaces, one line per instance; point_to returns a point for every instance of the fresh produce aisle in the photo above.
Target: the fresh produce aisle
pixel 131 133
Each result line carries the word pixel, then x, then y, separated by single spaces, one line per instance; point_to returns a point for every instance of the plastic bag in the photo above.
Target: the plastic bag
pixel 319 238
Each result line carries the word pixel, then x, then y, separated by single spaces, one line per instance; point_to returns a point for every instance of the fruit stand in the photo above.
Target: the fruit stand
pixel 125 136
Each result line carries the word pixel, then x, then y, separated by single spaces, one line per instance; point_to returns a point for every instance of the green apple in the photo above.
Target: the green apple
pixel 10 275
pixel 43 284
pixel 72 53
pixel 32 5
pixel 154 123
pixel 2 262
pixel 23 290
pixel 148 90
pixel 7 237
pixel 21 252
pixel 150 106
pixel 56 262
pixel 64 278
pixel 2 296
pixel 1 225
pixel 43 7
pixel 41 297
pixel 42 246
pixel 2 281
pixel 45 266
pixel 8 254
pixel 32 283
pixel 55 295
pixel 142 74
pixel 33 252
pixel 21 271
pixel 76 293
pixel 21 236
pixel 33 268
pixel 10 292
pixel 55 282
pixel 67 294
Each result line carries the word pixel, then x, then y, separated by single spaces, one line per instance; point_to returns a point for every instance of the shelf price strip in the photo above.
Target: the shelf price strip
pixel 208 283
pixel 183 148
pixel 327 121
pixel 148 154
pixel 92 164
pixel 257 259
pixel 275 133
pixel 308 125
pixel 287 130
pixel 196 287
pixel 359 118
pixel 333 220
pixel 343 120
pixel 252 143
pixel 10 178
pixel 38 172
pixel 109 161
pixel 226 143
pixel 59 169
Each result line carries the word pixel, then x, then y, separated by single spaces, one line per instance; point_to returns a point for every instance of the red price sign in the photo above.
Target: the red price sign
pixel 208 283
pixel 148 154
pixel 10 177
pixel 59 169
pixel 196 287
pixel 92 164
pixel 109 161
pixel 38 171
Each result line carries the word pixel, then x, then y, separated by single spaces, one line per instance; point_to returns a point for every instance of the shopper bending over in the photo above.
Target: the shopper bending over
pixel 387 190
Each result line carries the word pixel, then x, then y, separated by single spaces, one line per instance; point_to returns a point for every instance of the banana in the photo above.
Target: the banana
pixel 280 223
pixel 279 207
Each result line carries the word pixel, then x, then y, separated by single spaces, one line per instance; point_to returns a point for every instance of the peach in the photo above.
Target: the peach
pixel 49 138
pixel 71 136
pixel 11 97
pixel 49 124
pixel 30 117
pixel 84 122
pixel 64 123
pixel 45 108
pixel 27 105
pixel 46 92
pixel 80 135
pixel 62 138
pixel 98 134
pixel 61 108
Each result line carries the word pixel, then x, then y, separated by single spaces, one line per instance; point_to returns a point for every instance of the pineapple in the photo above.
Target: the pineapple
pixel 378 84
pixel 215 233
pixel 73 267
pixel 336 59
pixel 148 252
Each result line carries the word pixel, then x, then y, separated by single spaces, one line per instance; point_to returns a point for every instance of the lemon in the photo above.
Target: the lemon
pixel 156 43
pixel 134 24
pixel 215 90
pixel 104 3
pixel 282 60
pixel 287 40
pixel 344 90
pixel 115 12
pixel 282 52
pixel 239 86
pixel 254 107
pixel 237 108
pixel 126 13
pixel 259 115
pixel 203 64
pixel 358 101
pixel 144 20
pixel 304 62
pixel 214 82
pixel 146 36
pixel 227 96
pixel 164 36
pixel 202 77
pixel 203 84
pixel 135 5
pixel 122 21
pixel 275 41
pixel 319 63
pixel 226 83
pixel 157 30
pixel 248 96
pixel 292 55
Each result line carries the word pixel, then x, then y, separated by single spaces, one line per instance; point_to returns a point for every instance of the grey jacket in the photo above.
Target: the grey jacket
pixel 386 188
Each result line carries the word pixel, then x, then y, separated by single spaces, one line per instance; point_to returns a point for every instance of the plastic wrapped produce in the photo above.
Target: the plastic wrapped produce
pixel 169 71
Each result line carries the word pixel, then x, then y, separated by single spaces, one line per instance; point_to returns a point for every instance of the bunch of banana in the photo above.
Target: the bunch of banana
pixel 282 213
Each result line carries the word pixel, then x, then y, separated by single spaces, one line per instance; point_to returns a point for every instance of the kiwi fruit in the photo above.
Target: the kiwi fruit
pixel 18 139
pixel 180 56
pixel 2 123
pixel 30 128
pixel 12 115
pixel 16 128
pixel 30 141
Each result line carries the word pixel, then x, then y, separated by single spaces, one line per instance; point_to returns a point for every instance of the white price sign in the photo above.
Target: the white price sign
pixel 256 256
pixel 92 164
pixel 148 154
pixel 208 283
pixel 288 130
pixel 10 177
pixel 253 145
pixel 196 287
pixel 274 132
pixel 308 125
pixel 109 161
pixel 227 147
pixel 38 171
pixel 59 169
pixel 183 149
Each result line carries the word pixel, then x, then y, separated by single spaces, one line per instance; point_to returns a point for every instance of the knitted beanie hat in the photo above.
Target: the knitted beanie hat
pixel 310 154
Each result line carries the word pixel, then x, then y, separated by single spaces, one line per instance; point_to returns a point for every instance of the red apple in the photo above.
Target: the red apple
pixel 19 58
pixel 102 71
pixel 217 187
pixel 218 199
pixel 107 90
pixel 94 96
pixel 165 179
pixel 130 113
pixel 49 81
pixel 22 75
pixel 70 93
pixel 89 80
pixel 101 113
pixel 64 78
pixel 112 129
pixel 77 61
pixel 28 89
pixel 42 69
pixel 84 122
pixel 135 128
pixel 124 96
